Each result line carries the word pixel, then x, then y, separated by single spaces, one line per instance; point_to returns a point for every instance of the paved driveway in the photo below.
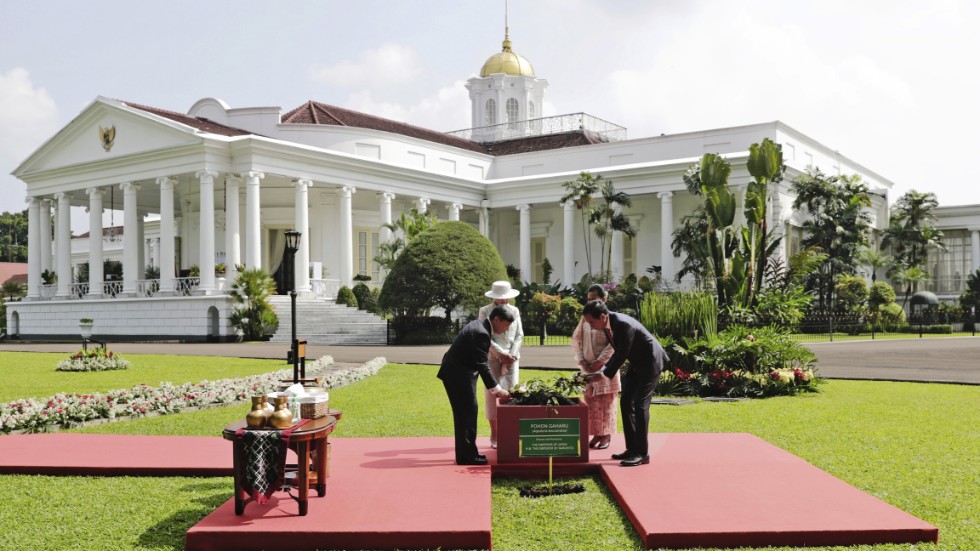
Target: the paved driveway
pixel 952 360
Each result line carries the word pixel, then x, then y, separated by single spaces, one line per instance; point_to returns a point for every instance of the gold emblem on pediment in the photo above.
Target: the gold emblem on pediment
pixel 107 136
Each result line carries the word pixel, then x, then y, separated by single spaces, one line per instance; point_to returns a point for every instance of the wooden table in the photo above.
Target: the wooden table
pixel 308 441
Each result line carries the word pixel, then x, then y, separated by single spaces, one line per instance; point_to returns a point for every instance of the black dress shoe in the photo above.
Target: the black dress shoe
pixel 625 455
pixel 635 460
pixel 478 460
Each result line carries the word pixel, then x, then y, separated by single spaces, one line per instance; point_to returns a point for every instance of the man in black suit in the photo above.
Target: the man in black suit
pixel 647 360
pixel 463 362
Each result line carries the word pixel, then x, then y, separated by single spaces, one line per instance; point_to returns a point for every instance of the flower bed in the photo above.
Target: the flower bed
pixel 96 359
pixel 68 410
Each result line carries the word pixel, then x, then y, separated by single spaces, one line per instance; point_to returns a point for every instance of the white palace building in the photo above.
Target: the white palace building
pixel 221 185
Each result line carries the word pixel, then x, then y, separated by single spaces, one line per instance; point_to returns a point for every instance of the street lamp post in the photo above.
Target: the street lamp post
pixel 292 245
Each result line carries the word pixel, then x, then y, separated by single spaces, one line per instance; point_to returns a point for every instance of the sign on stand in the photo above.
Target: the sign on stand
pixel 550 438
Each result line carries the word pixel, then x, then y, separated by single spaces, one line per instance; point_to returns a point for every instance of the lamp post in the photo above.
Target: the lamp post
pixel 292 245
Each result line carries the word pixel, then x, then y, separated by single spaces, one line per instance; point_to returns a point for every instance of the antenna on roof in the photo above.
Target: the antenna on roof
pixel 506 27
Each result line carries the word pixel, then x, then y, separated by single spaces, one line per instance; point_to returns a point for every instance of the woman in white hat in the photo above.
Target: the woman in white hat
pixel 505 349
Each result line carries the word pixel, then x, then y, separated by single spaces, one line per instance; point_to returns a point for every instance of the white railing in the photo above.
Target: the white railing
pixel 186 285
pixel 147 287
pixel 78 290
pixel 574 122
pixel 325 288
pixel 112 288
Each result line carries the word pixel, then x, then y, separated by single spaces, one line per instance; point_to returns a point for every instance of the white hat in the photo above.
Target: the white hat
pixel 501 289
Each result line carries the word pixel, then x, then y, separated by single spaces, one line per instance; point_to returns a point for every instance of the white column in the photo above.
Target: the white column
pixel 141 239
pixel 616 263
pixel 63 245
pixel 485 218
pixel 253 223
pixel 34 251
pixel 423 204
pixel 45 243
pixel 167 231
pixel 666 231
pixel 96 274
pixel 130 239
pixel 568 243
pixel 206 260
pixel 974 248
pixel 385 214
pixel 454 209
pixel 346 236
pixel 301 268
pixel 233 240
pixel 525 236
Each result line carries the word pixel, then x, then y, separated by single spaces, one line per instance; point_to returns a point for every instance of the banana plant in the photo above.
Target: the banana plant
pixel 766 166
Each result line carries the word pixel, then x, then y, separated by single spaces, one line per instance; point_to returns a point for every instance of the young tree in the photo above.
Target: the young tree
pixel 581 192
pixel 447 266
pixel 910 278
pixel 607 218
pixel 254 315
pixel 838 224
pixel 403 231
pixel 874 261
pixel 690 243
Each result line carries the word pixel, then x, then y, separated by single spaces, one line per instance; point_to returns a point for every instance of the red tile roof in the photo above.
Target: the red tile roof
pixel 199 123
pixel 314 112
pixel 542 143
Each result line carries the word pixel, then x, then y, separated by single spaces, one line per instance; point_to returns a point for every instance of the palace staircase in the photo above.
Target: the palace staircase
pixel 322 321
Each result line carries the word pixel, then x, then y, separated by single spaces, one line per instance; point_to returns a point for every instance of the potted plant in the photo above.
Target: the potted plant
pixel 544 420
pixel 220 269
pixel 85 327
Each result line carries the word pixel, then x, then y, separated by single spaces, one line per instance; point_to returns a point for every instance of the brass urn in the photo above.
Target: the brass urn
pixel 282 417
pixel 259 416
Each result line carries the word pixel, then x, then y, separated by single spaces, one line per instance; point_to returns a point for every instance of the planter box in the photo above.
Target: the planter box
pixel 509 428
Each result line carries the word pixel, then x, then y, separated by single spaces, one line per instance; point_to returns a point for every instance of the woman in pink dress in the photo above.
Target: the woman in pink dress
pixel 592 349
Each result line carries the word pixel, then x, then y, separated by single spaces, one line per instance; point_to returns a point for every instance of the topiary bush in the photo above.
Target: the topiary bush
pixel 365 300
pixel 447 266
pixel 346 297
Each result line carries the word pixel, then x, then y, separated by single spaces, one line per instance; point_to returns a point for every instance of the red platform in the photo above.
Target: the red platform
pixel 707 490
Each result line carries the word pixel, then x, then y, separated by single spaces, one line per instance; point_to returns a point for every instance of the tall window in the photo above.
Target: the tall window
pixel 491 114
pixel 366 248
pixel 950 268
pixel 531 115
pixel 530 110
pixel 538 253
pixel 512 111
pixel 629 256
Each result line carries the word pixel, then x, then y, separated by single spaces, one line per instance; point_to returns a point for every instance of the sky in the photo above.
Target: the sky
pixel 891 84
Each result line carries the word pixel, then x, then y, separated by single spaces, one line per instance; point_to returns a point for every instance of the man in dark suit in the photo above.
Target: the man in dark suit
pixel 463 362
pixel 647 360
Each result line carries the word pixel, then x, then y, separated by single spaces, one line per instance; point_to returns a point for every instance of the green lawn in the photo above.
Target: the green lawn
pixel 33 375
pixel 913 445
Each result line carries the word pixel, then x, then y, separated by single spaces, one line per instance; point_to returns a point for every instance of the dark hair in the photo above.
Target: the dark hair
pixel 501 312
pixel 599 291
pixel 595 308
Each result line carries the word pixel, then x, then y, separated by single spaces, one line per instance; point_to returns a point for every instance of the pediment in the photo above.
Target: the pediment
pixel 132 132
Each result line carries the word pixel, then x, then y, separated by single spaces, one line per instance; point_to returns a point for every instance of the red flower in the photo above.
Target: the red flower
pixel 682 375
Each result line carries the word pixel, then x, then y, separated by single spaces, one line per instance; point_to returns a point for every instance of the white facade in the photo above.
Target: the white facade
pixel 265 171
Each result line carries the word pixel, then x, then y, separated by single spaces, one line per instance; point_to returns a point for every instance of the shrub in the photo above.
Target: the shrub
pixel 542 309
pixel 365 300
pixel 879 294
pixel 785 307
pixel 567 318
pixel 741 362
pixel 254 317
pixel 346 297
pixel 422 330
pixel 852 292
pixel 448 265
pixel 561 392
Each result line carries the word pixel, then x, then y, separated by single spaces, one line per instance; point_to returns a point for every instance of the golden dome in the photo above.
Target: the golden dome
pixel 507 62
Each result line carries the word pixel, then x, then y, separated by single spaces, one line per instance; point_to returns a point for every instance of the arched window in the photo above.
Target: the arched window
pixel 491 114
pixel 512 110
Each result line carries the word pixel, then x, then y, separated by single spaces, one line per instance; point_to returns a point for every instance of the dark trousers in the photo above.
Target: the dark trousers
pixel 634 404
pixel 462 399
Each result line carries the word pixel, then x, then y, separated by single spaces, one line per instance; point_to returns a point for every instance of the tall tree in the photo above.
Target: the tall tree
pixel 874 260
pixel 838 224
pixel 607 218
pixel 766 166
pixel 581 192
pixel 13 236
pixel 911 231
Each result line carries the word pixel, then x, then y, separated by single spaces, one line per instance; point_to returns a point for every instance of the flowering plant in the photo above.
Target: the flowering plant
pixel 96 359
pixel 68 410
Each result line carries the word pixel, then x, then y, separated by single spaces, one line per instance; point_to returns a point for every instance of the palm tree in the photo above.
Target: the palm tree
pixel 874 261
pixel 581 192
pixel 910 278
pixel 607 218
pixel 911 234
pixel 403 231
pixel 255 316
pixel 12 289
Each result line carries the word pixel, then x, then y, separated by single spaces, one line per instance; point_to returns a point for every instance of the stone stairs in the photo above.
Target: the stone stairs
pixel 322 321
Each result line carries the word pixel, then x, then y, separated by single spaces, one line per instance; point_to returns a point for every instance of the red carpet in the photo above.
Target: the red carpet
pixel 708 490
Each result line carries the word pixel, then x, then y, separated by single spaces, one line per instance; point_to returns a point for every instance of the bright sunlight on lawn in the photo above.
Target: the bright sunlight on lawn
pixel 912 445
